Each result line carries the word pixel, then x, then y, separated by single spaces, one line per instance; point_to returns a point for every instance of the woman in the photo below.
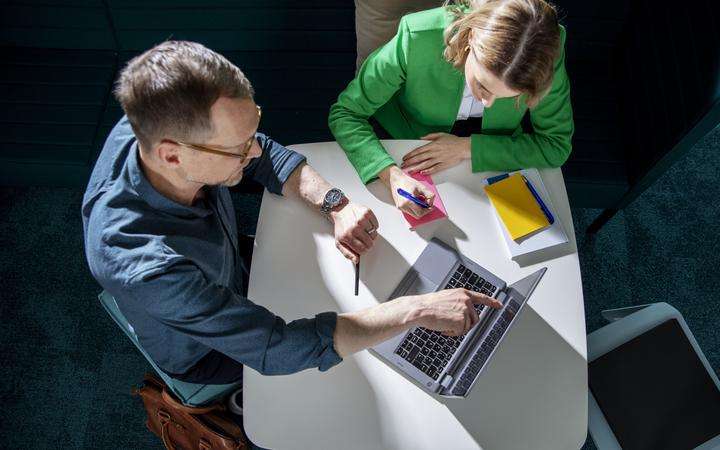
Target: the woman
pixel 462 76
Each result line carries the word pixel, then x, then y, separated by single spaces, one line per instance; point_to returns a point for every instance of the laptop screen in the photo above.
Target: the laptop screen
pixel 655 392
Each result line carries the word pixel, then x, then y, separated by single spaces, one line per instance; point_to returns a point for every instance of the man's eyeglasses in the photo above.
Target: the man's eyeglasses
pixel 222 151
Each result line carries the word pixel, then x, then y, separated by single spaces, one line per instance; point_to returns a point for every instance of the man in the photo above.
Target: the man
pixel 161 236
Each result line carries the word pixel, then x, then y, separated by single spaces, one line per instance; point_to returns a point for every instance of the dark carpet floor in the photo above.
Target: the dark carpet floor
pixel 67 369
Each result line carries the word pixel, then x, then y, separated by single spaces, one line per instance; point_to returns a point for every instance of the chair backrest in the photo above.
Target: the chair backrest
pixel 190 394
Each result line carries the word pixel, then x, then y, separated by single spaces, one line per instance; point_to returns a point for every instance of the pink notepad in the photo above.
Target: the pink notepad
pixel 438 211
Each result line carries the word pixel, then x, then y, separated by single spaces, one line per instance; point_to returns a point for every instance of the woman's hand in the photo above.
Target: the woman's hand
pixel 445 151
pixel 395 178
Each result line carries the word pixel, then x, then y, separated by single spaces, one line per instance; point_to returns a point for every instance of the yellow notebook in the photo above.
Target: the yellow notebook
pixel 517 207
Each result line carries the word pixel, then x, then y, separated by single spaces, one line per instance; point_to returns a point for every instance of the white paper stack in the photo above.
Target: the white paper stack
pixel 545 240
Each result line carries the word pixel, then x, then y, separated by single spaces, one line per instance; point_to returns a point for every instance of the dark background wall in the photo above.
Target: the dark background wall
pixel 58 61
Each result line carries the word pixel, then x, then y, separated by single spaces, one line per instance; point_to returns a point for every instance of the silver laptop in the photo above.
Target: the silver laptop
pixel 445 365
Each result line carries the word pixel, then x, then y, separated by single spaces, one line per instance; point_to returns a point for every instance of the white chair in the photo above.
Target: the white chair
pixel 651 387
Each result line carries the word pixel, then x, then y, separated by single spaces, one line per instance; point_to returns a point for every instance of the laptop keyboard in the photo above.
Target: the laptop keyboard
pixel 483 353
pixel 429 350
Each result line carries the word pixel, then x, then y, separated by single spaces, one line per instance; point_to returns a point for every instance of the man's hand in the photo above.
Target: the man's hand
pixel 395 178
pixel 355 225
pixel 445 151
pixel 451 311
pixel 355 230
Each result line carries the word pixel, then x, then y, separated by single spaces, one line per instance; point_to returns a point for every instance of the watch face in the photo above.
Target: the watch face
pixel 334 196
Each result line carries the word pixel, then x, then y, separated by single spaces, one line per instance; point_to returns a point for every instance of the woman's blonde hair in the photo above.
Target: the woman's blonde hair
pixel 516 40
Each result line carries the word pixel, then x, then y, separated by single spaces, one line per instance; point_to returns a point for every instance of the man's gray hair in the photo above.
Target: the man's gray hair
pixel 167 92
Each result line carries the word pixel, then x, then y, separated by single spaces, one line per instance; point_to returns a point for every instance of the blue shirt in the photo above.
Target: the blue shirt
pixel 176 273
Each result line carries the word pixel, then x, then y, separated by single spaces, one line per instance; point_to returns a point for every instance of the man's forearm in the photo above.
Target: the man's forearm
pixel 359 330
pixel 307 184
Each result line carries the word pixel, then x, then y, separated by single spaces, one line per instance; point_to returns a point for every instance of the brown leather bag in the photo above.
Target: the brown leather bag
pixel 185 427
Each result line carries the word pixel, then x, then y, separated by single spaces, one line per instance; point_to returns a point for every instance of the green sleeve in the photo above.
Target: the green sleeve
pixel 548 146
pixel 378 80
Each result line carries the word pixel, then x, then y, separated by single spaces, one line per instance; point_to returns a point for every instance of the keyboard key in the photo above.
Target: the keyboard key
pixel 459 391
pixel 413 353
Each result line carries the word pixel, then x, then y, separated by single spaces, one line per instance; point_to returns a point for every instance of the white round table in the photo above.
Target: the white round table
pixel 533 395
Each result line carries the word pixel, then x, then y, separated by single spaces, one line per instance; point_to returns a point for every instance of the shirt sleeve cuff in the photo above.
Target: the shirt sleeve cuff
pixel 371 172
pixel 325 328
pixel 476 157
pixel 292 162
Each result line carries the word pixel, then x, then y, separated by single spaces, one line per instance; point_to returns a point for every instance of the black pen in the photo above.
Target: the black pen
pixel 357 276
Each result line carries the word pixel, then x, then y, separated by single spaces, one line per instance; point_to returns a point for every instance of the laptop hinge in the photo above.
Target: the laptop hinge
pixel 447 379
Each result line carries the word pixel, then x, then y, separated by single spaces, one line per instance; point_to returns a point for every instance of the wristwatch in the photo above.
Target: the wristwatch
pixel 333 198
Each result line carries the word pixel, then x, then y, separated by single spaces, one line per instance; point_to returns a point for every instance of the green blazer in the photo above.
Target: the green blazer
pixel 409 88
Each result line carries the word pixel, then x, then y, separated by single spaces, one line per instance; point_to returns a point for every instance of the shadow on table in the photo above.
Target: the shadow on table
pixel 535 379
pixel 529 381
pixel 382 268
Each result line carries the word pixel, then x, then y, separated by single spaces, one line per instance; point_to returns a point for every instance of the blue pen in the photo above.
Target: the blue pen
pixel 544 208
pixel 497 178
pixel 412 198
